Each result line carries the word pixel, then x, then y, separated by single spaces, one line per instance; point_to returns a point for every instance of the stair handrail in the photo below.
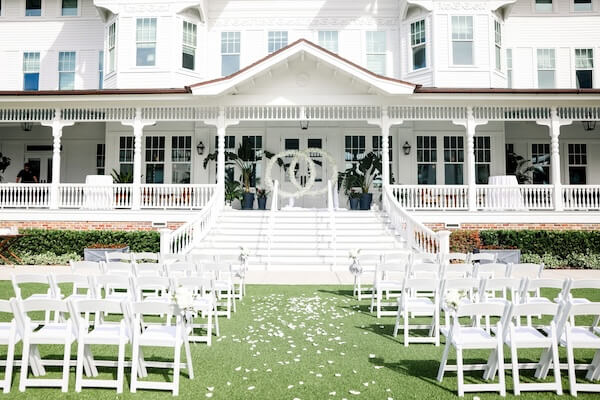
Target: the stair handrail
pixel 272 214
pixel 188 235
pixel 331 211
pixel 417 235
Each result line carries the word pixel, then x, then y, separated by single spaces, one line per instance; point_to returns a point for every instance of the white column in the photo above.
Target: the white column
pixel 57 125
pixel 138 125
pixel 470 125
pixel 385 147
pixel 554 125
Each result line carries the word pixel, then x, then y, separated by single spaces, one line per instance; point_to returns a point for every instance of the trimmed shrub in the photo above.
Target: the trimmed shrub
pixel 59 242
pixel 549 260
pixel 464 241
pixel 540 242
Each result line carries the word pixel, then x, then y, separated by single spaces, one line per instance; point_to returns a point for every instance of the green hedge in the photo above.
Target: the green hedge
pixel 540 242
pixel 59 242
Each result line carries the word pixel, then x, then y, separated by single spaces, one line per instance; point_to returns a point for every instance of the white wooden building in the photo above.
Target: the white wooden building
pixel 153 87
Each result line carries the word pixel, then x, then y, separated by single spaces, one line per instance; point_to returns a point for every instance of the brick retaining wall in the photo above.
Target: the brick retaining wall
pixel 513 226
pixel 89 225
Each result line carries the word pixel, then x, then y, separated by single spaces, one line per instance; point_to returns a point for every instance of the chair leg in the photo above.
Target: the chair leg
pixel 440 375
pixel 66 364
pixel 79 365
pixel 459 372
pixel 515 368
pixel 406 318
pixel 188 358
pixel 209 327
pixel 121 367
pixel 176 366
pixel 135 356
pixel 397 324
pixel 24 366
pixel 378 306
pixel 571 367
pixel 10 356
pixel 556 365
pixel 501 377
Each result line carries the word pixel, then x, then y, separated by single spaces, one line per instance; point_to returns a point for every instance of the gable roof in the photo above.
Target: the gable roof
pixel 383 84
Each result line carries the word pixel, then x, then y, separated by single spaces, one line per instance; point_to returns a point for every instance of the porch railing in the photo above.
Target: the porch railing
pixel 416 234
pixel 581 197
pixel 521 197
pixel 25 195
pixel 91 197
pixel 431 197
pixel 176 196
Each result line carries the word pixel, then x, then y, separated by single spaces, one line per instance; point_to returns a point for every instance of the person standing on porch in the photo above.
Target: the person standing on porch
pixel 26 175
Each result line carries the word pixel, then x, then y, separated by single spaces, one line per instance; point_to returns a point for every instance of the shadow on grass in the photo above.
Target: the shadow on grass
pixel 339 292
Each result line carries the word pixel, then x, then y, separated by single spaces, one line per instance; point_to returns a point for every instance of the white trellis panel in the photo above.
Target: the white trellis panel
pixel 180 113
pixel 579 113
pixel 508 113
pixel 342 113
pixel 427 113
pixel 98 114
pixel 264 113
pixel 26 114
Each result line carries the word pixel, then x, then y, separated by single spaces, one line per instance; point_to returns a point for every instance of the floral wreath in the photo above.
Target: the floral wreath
pixel 296 156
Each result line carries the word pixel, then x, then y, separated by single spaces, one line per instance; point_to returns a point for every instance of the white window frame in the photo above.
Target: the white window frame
pixel 462 37
pixel 26 71
pixel 375 52
pixel 101 69
pixel 574 8
pixel 535 9
pixel 231 38
pixel 330 40
pixel 67 71
pixel 77 13
pixel 42 9
pixel 190 46
pixel 498 44
pixel 174 161
pixel 487 153
pixel 1 8
pixel 509 69
pixel 578 68
pixel 431 151
pixel 457 149
pixel 128 150
pixel 148 40
pixel 276 38
pixel 100 158
pixel 111 48
pixel 152 149
pixel 545 66
pixel 576 164
pixel 416 43
pixel 543 146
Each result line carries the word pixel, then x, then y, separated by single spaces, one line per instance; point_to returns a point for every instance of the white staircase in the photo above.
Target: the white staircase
pixel 299 239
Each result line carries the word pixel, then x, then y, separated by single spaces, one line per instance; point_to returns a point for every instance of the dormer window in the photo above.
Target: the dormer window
pixel 33 8
pixel 418 44
pixel 69 8
pixel 189 45
pixel 543 6
pixel 582 5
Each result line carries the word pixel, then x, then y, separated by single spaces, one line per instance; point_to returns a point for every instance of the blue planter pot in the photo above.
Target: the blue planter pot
pixel 365 201
pixel 354 203
pixel 248 201
pixel 262 203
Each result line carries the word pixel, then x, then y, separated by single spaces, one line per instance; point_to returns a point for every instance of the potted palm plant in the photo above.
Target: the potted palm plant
pixel 261 196
pixel 354 199
pixel 233 191
pixel 361 175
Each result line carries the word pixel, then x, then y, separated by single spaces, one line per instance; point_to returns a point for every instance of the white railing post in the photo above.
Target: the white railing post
pixel 165 241
pixel 444 242
pixel 57 126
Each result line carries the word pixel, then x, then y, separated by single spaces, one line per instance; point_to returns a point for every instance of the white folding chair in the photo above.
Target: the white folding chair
pixel 151 288
pixel 112 287
pixel 475 338
pixel 165 335
pixel 204 307
pixel 526 270
pixel 368 264
pixel 411 303
pixel 423 258
pixel 529 337
pixel 471 289
pixel 105 334
pixel 396 255
pixel 117 256
pixel 492 270
pixel 86 267
pixel 456 258
pixel 389 279
pixel 145 256
pixel 8 337
pixel 532 290
pixel 180 269
pixel 47 291
pixel 424 270
pixel 570 292
pixel 460 270
pixel 171 258
pixel 118 267
pixel 222 286
pixel 497 290
pixel 52 333
pixel 477 258
pixel 149 269
pixel 77 282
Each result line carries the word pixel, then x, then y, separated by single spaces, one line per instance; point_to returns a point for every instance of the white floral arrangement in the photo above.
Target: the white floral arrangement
pixel 453 298
pixel 244 254
pixel 355 268
pixel 354 254
pixel 185 300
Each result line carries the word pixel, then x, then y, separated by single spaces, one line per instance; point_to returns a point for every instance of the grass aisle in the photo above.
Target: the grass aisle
pixel 303 342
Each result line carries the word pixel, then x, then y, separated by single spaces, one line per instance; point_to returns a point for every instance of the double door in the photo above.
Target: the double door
pixel 303 172
pixel 41 165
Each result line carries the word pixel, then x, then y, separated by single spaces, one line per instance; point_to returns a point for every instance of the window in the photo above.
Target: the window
pixel 189 45
pixel 100 158
pixel 181 159
pixel 509 159
pixel 329 40
pixel 454 157
pixel 582 5
pixel 66 70
pixel 277 40
pixel 540 159
pixel 354 150
pixel 155 159
pixel 498 44
pixel 230 53
pixel 112 42
pixel 426 160
pixel 509 68
pixel 376 52
pixel 577 164
pixel 31 71
pixel 377 147
pixel 145 37
pixel 255 143
pixel 126 155
pixel 100 69
pixel 543 5
pixel 33 8
pixel 546 64
pixel 462 40
pixel 584 68
pixel 483 159
pixel 418 44
pixel 69 7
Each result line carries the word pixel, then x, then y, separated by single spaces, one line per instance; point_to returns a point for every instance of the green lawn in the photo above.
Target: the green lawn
pixel 304 342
